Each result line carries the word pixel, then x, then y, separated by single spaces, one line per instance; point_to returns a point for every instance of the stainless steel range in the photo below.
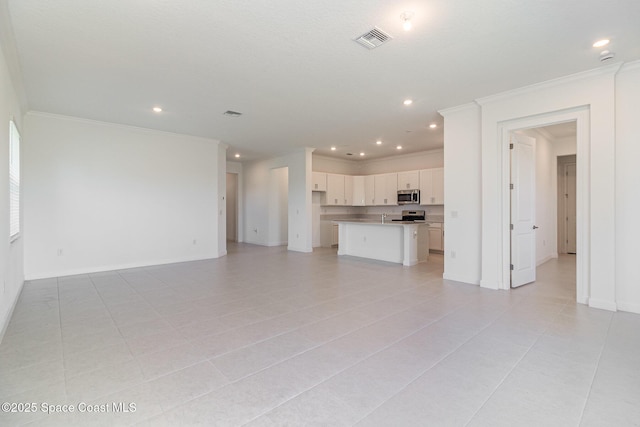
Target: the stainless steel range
pixel 412 216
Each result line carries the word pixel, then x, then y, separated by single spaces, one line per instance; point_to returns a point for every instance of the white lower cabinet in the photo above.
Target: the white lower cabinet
pixel 436 237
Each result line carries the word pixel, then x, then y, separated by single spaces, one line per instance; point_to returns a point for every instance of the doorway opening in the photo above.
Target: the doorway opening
pixel 543 198
pixel 567 204
pixel 557 135
pixel 232 207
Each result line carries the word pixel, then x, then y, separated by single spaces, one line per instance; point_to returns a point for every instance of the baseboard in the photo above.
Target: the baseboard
pixel 296 249
pixel 461 279
pixel 489 285
pixel 601 304
pixel 629 306
pixel 100 269
pixel 7 318
pixel 545 259
pixel 277 243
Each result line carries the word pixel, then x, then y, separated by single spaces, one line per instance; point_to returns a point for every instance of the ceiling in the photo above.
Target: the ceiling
pixel 292 68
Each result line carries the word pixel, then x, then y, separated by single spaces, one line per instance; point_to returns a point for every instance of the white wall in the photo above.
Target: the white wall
pixel 462 193
pixel 400 163
pixel 610 140
pixel 278 206
pixel 256 178
pixel 334 165
pixel 110 196
pixel 627 195
pixel 596 90
pixel 11 254
pixel 404 162
pixel 565 146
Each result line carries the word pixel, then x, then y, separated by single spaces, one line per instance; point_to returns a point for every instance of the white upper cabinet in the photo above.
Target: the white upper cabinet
pixel 319 181
pixel 432 186
pixel 369 190
pixel 438 186
pixel 381 189
pixel 335 190
pixel 408 180
pixel 358 191
pixel 348 190
pixel 386 189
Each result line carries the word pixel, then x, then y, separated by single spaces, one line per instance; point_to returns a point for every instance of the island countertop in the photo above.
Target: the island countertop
pixel 374 222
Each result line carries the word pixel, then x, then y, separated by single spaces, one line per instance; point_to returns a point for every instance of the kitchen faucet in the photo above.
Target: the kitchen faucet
pixel 384 215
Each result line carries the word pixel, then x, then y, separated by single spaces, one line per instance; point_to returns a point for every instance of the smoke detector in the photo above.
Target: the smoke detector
pixel 606 55
pixel 373 38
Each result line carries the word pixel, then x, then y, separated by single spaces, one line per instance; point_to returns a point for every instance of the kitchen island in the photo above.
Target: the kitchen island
pixel 402 242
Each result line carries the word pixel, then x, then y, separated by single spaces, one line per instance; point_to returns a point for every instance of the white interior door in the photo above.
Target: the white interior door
pixel 570 207
pixel 523 238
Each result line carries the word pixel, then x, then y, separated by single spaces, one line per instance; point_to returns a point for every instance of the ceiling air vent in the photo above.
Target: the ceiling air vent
pixel 232 113
pixel 373 38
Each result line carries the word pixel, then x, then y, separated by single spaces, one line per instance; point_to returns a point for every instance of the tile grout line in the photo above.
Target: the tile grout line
pixel 595 372
pixel 558 314
pixel 444 357
pixel 434 321
pixel 317 346
pixel 210 359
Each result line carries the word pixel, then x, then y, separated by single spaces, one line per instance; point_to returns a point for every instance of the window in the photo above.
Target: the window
pixel 14 181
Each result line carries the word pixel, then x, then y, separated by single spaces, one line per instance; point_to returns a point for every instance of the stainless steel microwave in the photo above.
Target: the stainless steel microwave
pixel 408 197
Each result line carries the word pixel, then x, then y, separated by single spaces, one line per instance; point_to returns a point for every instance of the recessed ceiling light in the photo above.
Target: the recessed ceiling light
pixel 362 154
pixel 378 142
pixel 237 155
pixel 157 110
pixel 433 125
pixel 333 148
pixel 399 147
pixel 406 20
pixel 408 102
pixel 601 43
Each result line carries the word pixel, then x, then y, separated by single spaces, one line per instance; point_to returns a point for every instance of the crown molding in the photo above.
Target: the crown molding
pixel 609 70
pixel 459 108
pixel 121 126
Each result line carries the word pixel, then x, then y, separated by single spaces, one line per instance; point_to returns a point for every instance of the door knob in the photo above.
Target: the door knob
pixel 535 226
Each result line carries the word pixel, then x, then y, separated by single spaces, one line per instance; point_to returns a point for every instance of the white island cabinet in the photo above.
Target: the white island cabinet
pixel 406 243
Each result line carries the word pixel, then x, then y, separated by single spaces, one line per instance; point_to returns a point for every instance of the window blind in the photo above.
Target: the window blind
pixel 14 181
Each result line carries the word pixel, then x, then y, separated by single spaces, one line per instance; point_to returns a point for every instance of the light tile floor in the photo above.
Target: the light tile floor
pixel 266 337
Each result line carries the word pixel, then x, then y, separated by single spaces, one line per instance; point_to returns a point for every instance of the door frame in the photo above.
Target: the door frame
pixel 562 162
pixel 581 116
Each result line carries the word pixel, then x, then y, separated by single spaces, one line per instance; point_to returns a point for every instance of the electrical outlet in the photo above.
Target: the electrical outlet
pixel 195 241
pixel 453 254
pixel 454 214
pixel 60 252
